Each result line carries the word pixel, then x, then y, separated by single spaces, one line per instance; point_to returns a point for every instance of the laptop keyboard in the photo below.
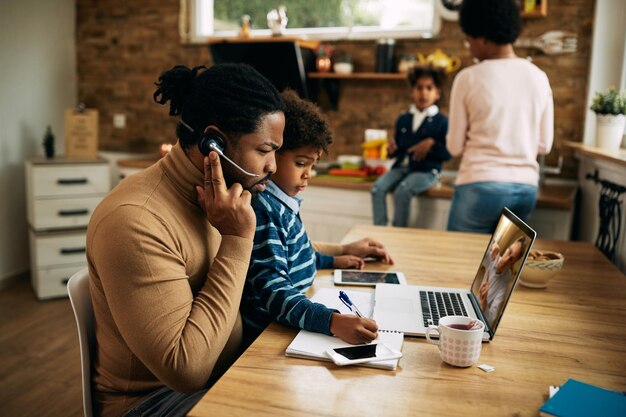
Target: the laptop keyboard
pixel 440 304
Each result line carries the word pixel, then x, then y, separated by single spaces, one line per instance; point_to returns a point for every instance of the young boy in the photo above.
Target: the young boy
pixel 420 136
pixel 284 261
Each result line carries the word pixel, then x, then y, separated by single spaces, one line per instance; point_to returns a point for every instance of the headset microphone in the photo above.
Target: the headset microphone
pixel 213 141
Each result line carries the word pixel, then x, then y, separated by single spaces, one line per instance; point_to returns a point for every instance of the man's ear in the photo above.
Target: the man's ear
pixel 212 137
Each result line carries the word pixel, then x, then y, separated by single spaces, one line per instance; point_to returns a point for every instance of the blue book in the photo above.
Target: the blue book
pixel 576 398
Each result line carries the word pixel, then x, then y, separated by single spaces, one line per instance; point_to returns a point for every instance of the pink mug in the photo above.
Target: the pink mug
pixel 457 346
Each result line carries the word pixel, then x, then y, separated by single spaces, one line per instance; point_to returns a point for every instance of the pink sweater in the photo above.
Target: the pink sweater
pixel 501 117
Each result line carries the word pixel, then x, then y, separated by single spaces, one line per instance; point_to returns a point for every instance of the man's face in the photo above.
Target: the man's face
pixel 294 169
pixel 256 153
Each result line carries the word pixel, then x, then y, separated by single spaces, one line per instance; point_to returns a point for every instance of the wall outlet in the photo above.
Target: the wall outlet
pixel 119 120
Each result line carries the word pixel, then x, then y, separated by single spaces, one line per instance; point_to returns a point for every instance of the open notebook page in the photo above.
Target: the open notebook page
pixel 310 345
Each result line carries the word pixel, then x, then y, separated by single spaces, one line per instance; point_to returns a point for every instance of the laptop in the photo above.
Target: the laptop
pixel 411 309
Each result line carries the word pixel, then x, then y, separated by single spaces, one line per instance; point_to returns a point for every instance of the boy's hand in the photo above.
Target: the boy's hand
pixel 348 262
pixel 367 247
pixel 353 329
pixel 228 209
pixel 419 151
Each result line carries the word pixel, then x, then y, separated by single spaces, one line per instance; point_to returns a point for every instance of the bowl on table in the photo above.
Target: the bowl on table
pixel 540 267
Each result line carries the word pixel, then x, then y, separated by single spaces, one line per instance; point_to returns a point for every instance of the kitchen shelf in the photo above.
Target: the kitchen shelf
pixel 304 43
pixel 331 81
pixel 359 76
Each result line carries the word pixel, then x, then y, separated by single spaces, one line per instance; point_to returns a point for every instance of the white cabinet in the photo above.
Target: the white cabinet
pixel 61 196
pixel 328 213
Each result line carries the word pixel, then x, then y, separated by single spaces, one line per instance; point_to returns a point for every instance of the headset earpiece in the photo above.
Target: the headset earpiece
pixel 212 136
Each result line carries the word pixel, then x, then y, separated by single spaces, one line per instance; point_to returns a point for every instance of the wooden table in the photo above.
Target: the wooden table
pixel 576 328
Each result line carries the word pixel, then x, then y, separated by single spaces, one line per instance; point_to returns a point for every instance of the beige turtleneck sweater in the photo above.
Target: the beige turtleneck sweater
pixel 165 287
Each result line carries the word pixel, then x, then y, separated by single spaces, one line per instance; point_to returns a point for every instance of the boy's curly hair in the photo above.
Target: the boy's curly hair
pixel 498 21
pixel 304 124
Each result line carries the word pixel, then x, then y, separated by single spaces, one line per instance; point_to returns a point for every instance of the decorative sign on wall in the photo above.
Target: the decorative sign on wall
pixel 81 133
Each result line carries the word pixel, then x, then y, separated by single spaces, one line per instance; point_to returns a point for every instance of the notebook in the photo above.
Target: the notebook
pixel 309 345
pixel 578 399
pixel 411 309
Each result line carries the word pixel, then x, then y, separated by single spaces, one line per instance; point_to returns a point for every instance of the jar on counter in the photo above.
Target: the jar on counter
pixel 407 62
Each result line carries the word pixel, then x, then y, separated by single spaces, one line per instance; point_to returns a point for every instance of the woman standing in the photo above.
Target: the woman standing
pixel 501 118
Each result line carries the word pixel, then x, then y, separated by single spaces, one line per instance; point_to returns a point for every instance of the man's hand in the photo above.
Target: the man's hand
pixel 419 150
pixel 348 262
pixel 228 210
pixel 353 329
pixel 367 248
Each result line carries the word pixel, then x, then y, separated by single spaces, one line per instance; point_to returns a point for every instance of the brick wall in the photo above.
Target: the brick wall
pixel 123 46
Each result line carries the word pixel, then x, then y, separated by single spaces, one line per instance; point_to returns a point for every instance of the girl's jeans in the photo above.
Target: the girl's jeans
pixel 406 185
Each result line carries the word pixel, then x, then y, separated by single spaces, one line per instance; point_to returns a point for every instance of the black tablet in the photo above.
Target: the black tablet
pixel 368 278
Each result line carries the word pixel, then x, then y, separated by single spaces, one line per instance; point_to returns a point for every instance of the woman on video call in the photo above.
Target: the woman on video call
pixel 498 276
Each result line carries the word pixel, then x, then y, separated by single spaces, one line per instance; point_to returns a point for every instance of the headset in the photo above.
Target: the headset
pixel 213 141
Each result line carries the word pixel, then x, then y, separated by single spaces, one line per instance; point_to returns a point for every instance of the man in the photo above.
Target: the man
pixel 168 248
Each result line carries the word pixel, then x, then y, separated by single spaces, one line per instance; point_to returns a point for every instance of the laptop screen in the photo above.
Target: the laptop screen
pixel 501 266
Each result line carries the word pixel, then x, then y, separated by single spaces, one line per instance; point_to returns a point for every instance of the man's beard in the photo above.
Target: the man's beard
pixel 232 175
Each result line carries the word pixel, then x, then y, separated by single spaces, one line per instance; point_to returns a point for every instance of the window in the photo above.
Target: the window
pixel 315 19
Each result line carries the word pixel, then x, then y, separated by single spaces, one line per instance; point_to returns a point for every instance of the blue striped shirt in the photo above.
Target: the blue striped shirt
pixel 282 269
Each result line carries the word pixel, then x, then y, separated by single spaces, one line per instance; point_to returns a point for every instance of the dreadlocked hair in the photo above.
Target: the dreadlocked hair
pixel 304 125
pixel 498 21
pixel 233 97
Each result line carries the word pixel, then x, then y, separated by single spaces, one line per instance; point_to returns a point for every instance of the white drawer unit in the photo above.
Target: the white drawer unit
pixel 52 282
pixel 61 193
pixel 59 181
pixel 63 212
pixel 59 249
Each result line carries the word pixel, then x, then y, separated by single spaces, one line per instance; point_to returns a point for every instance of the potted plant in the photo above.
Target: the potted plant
pixel 48 143
pixel 610 109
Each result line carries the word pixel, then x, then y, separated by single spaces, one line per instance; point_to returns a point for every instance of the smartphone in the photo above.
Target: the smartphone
pixel 362 353
pixel 367 278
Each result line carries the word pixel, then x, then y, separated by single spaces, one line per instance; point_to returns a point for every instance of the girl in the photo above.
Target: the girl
pixel 420 137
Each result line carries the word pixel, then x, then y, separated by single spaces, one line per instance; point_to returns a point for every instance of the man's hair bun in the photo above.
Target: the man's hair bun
pixel 175 86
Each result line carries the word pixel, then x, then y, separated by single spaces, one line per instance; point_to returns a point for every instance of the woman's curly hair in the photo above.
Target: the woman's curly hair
pixel 498 21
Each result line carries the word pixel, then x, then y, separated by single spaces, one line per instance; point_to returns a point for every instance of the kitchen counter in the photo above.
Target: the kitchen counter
pixel 618 157
pixel 549 196
pixel 334 205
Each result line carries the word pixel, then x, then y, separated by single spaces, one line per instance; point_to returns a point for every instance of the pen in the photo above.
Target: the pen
pixel 346 300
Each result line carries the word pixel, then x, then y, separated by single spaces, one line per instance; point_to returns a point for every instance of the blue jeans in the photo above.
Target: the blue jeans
pixel 476 207
pixel 165 403
pixel 406 185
